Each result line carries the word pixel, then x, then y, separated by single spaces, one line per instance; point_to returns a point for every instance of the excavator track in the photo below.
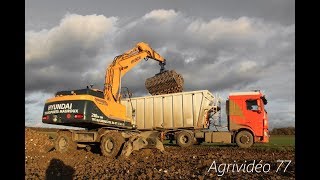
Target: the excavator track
pixel 165 83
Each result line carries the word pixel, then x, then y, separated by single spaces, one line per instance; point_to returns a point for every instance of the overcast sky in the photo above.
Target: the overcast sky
pixel 223 46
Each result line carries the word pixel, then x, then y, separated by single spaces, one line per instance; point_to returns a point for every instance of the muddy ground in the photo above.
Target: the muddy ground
pixel 43 162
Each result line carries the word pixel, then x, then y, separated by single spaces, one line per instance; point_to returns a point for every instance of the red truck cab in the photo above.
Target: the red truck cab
pixel 247 117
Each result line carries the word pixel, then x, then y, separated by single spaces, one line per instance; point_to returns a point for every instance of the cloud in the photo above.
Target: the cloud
pixel 73 32
pixel 59 56
pixel 221 54
pixel 223 29
pixel 160 15
pixel 34 106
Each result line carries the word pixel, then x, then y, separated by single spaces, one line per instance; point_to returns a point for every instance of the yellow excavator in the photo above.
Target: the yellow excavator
pixel 101 112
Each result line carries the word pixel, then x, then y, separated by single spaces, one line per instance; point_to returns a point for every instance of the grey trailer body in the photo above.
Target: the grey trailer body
pixel 171 111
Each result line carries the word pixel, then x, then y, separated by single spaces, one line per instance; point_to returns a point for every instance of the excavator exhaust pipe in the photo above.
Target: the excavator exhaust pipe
pixel 165 82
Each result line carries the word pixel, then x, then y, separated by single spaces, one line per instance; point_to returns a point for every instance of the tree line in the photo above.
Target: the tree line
pixel 283 131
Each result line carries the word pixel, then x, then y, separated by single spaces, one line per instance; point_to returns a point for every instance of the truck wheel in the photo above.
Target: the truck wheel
pixel 184 139
pixel 111 144
pixel 244 139
pixel 64 142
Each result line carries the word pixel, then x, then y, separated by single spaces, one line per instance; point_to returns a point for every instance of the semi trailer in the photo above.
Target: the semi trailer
pixel 186 117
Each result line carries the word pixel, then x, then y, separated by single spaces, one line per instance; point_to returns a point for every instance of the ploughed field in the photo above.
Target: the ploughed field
pixel 272 161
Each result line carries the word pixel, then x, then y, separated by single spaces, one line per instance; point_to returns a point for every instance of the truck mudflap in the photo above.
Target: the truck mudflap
pixel 143 140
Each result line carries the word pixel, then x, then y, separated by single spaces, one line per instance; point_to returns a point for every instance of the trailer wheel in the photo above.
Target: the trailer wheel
pixel 64 142
pixel 244 139
pixel 111 144
pixel 184 139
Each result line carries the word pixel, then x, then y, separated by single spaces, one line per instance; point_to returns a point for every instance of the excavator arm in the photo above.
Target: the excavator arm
pixel 124 63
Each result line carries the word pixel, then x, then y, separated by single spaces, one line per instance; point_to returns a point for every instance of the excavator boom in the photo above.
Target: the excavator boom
pixel 162 83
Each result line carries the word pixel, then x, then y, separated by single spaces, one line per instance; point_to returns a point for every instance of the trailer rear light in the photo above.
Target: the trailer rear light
pixel 45 117
pixel 78 116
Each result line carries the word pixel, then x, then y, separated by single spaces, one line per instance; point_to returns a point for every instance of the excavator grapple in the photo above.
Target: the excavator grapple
pixel 165 83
